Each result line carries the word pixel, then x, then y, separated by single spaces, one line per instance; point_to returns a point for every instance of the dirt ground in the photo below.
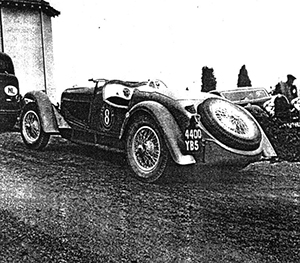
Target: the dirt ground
pixel 70 203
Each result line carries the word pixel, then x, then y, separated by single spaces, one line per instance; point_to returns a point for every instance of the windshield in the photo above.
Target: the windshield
pixel 245 95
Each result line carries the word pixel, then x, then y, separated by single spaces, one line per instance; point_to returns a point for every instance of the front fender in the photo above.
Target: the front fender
pixel 45 107
pixel 168 125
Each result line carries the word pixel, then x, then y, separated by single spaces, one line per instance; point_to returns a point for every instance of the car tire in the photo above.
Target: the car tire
pixel 230 124
pixel 32 131
pixel 147 153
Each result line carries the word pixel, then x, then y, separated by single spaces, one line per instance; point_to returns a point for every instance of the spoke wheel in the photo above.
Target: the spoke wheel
pixel 147 154
pixel 230 124
pixel 146 148
pixel 31 129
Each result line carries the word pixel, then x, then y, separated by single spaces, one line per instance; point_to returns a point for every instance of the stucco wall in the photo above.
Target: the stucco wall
pixel 27 38
pixel 48 55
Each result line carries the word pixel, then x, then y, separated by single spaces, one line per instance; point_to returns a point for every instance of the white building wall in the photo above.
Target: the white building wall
pixel 27 38
pixel 48 55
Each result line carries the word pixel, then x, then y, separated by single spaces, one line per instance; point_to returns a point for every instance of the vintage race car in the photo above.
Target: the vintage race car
pixel 10 99
pixel 155 126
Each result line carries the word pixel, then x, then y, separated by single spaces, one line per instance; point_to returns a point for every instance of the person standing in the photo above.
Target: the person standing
pixel 288 89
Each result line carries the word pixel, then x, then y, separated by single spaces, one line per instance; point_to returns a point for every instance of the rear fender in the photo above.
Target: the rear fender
pixel 257 112
pixel 268 150
pixel 168 125
pixel 46 111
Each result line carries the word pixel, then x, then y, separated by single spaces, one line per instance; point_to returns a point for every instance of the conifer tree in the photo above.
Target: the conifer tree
pixel 243 78
pixel 209 81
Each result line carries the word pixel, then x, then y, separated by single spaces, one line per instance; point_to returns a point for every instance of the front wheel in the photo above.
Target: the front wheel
pixel 32 131
pixel 147 153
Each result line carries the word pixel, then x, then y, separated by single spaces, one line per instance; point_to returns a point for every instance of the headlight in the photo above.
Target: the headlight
pixel 190 109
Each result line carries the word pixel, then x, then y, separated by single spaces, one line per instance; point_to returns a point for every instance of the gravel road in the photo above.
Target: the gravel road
pixel 71 203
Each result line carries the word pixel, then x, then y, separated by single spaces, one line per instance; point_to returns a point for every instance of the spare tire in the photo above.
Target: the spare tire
pixel 230 124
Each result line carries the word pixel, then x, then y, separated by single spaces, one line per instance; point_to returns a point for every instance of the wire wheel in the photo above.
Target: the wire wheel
pixel 31 126
pixel 147 153
pixel 233 123
pixel 32 132
pixel 146 148
pixel 230 124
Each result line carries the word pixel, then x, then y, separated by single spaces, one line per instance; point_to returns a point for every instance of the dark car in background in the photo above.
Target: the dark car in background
pixel 264 106
pixel 10 99
pixel 245 96
pixel 252 99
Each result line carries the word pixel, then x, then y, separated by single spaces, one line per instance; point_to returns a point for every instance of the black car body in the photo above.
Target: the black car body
pixel 153 124
pixel 9 94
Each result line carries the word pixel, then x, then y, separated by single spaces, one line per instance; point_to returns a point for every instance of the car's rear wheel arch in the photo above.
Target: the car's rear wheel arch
pixel 45 108
pixel 134 115
pixel 167 125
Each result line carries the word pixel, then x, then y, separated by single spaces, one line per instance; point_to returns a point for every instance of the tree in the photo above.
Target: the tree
pixel 243 78
pixel 208 79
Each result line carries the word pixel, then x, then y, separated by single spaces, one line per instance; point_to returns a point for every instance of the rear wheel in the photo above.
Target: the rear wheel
pixel 32 131
pixel 147 153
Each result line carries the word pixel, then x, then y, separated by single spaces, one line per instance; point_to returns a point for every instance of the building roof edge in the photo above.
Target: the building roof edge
pixel 30 4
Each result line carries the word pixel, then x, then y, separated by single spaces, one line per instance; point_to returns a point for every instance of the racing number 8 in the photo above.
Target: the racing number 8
pixel 107 117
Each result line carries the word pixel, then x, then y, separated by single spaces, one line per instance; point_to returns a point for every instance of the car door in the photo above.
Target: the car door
pixel 75 108
pixel 108 112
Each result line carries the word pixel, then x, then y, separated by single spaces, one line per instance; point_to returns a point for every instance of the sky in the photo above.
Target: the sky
pixel 172 40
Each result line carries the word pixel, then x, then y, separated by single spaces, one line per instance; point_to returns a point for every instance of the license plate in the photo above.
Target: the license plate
pixel 192 137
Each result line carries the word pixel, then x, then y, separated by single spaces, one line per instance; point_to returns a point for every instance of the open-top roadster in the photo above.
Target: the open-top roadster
pixel 153 124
